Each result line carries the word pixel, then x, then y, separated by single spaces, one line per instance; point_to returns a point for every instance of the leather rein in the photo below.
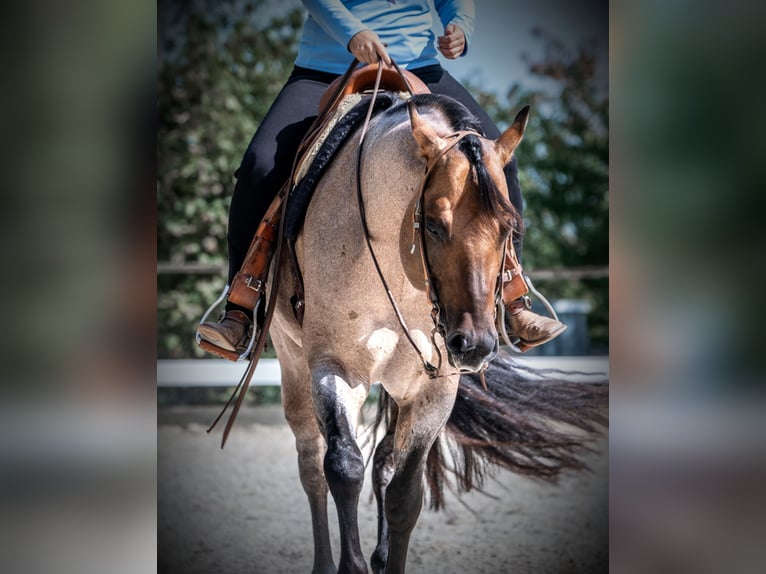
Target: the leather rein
pixel 418 227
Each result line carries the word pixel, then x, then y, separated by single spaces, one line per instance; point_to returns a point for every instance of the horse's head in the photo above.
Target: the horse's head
pixel 467 218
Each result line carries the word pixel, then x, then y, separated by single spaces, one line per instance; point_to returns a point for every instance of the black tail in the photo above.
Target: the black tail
pixel 532 422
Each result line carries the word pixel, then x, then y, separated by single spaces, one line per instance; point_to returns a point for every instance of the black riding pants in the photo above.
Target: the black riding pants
pixel 269 157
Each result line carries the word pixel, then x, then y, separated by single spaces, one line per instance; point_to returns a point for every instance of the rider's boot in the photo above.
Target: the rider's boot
pixel 231 332
pixel 527 328
pixel 530 328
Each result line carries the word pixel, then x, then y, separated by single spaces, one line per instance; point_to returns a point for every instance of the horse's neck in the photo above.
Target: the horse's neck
pixel 392 171
pixel 391 175
pixel 339 276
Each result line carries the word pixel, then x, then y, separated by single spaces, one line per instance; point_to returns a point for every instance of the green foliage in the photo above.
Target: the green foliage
pixel 564 174
pixel 219 70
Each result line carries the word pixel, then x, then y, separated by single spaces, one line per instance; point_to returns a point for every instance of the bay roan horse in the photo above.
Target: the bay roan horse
pixel 351 338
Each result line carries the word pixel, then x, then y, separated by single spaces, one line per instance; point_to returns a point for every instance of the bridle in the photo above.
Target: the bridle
pixel 418 229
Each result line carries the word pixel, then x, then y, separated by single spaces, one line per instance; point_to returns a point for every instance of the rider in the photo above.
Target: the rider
pixel 335 31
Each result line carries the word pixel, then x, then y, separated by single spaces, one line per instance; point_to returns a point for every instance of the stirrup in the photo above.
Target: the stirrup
pixel 215 349
pixel 516 345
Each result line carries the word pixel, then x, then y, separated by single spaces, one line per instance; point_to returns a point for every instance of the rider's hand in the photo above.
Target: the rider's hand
pixel 367 47
pixel 452 44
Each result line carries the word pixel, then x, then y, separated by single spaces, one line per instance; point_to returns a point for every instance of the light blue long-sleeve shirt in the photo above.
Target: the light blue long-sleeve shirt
pixel 405 25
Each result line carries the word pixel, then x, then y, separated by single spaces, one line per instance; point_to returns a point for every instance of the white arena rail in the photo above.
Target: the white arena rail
pixel 223 373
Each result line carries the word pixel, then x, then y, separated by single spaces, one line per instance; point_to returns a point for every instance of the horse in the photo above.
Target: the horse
pixel 390 290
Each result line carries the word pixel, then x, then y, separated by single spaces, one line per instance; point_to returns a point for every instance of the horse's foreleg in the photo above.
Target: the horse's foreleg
pixel 403 503
pixel 418 425
pixel 310 456
pixel 311 448
pixel 382 471
pixel 310 444
pixel 337 405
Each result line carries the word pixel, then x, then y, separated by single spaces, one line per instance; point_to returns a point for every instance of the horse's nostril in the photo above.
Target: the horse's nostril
pixel 460 344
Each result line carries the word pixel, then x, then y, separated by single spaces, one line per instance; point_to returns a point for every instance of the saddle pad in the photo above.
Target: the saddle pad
pixel 320 156
pixel 345 105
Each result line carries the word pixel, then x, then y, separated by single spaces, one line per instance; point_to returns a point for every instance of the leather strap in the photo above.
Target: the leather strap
pixel 518 305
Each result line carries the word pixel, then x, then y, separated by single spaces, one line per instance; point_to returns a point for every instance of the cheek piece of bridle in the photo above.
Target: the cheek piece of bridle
pixel 418 230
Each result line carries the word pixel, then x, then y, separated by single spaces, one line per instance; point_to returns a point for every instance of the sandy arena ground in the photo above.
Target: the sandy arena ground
pixel 242 510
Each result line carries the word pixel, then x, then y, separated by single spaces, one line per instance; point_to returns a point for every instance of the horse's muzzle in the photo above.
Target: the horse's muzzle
pixel 469 350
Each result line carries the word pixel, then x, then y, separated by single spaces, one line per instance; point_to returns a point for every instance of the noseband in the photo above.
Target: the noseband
pixel 418 226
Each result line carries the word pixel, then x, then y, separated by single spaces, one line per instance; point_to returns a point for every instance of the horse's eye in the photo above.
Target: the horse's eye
pixel 435 229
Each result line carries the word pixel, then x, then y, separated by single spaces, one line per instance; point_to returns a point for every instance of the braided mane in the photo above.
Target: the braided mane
pixel 461 118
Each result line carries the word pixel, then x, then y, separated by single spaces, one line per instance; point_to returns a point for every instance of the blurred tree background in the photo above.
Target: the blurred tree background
pixel 220 66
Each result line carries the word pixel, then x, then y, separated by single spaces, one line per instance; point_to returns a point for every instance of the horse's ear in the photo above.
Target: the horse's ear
pixel 429 141
pixel 511 137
